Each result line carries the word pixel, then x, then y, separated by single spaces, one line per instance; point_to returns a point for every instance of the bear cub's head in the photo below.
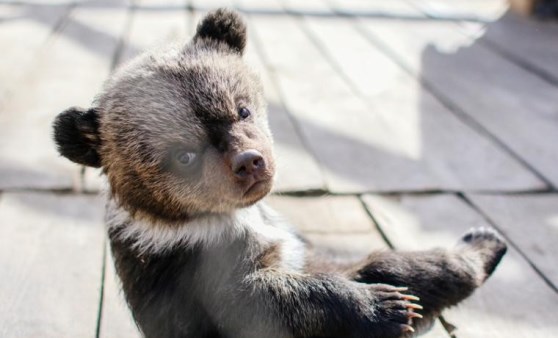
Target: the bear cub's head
pixel 180 132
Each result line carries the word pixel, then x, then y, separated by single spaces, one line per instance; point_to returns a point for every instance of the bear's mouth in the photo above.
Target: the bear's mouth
pixel 257 190
pixel 256 187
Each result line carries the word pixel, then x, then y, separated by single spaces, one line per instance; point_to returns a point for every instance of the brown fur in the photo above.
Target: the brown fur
pixel 270 257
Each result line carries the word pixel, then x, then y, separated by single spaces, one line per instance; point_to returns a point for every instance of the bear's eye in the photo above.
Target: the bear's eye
pixel 244 113
pixel 184 157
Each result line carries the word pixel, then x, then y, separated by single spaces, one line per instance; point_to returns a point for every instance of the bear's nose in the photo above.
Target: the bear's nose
pixel 248 163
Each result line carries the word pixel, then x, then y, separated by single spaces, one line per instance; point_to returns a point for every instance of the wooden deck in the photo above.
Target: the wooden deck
pixel 398 123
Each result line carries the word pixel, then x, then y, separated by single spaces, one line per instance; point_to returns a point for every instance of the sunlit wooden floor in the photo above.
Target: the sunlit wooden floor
pixel 398 123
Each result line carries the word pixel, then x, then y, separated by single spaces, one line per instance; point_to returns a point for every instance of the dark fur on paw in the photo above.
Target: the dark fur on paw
pixel 488 244
pixel 393 311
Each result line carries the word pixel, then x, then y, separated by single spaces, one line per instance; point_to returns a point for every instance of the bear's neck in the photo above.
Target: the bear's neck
pixel 149 235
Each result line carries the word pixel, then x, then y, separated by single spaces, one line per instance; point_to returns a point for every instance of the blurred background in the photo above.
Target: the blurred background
pixel 398 124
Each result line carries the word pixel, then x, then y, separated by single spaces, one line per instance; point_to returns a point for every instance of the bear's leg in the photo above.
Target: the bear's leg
pixel 441 278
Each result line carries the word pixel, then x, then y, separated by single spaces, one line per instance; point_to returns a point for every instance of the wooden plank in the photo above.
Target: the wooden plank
pixel 116 318
pixel 347 244
pixel 208 5
pixel 297 169
pixel 508 305
pixel 335 222
pixel 51 249
pixel 308 7
pixel 376 8
pixel 442 152
pixel 529 42
pixel 166 6
pixel 152 29
pixel 68 73
pixel 531 222
pixel 514 105
pixel 25 28
pixel 258 7
pixel 365 8
pixel 326 214
pixel 481 10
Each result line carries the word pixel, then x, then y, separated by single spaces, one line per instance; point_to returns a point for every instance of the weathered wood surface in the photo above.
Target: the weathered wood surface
pixel 515 106
pixel 376 8
pixel 415 135
pixel 349 114
pixel 325 214
pixel 152 29
pixel 257 7
pixel 25 29
pixel 36 24
pixel 51 249
pixel 529 42
pixel 203 6
pixel 530 222
pixel 297 169
pixel 481 10
pixel 68 73
pixel 309 7
pixel 336 222
pixel 503 307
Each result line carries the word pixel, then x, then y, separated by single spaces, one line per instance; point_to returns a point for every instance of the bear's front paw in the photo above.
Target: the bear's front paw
pixel 485 244
pixel 392 311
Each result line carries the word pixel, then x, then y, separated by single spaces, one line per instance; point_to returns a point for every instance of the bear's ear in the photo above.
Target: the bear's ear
pixel 76 133
pixel 223 25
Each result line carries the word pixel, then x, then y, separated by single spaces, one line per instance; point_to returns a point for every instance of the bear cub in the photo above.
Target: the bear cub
pixel 182 137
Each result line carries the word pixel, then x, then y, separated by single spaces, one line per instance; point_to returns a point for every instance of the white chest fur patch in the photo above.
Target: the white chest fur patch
pixel 207 231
